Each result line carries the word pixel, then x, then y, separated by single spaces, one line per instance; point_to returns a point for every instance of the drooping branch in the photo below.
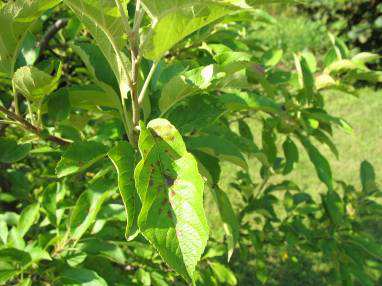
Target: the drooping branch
pixel 32 128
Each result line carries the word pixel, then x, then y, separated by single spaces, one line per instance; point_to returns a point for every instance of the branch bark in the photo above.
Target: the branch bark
pixel 52 31
pixel 33 129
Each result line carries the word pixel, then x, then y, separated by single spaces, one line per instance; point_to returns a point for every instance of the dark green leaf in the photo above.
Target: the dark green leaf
pixel 11 152
pixel 80 156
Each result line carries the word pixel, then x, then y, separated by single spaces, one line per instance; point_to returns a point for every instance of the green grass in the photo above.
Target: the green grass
pixel 365 116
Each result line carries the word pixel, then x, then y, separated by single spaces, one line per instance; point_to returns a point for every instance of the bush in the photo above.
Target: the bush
pixel 117 117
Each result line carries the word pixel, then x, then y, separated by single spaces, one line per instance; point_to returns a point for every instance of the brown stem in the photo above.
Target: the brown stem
pixel 33 129
pixel 52 31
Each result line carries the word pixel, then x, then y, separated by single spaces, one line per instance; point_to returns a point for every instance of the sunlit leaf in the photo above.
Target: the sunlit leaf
pixel 171 190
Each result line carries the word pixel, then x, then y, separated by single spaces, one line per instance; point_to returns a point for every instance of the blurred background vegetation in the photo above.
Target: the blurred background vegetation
pixel 306 27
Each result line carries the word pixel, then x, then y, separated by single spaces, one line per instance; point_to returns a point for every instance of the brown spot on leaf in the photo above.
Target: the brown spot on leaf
pixel 169 181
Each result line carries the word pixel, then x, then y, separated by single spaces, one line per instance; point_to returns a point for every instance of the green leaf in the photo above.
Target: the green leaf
pixel 49 202
pixel 272 57
pixel 186 16
pixel 268 138
pixel 368 178
pixel 229 218
pixel 143 277
pixel 123 158
pixel 365 58
pixel 96 63
pixel 208 108
pixel 29 52
pixel 25 282
pixel 12 152
pixel 87 207
pixel 105 23
pixel 320 163
pixel 291 155
pixel 245 130
pixel 81 277
pixel 3 231
pixel 223 274
pixel 17 259
pixel 305 75
pixel 80 156
pixel 185 85
pixel 334 207
pixel 170 187
pixel 35 84
pixel 218 147
pixel 249 101
pixel 28 217
pixel 103 248
pixel 325 139
pixel 89 97
pixel 16 17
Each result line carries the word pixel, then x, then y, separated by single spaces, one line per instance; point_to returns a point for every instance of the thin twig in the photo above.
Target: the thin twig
pixel 50 33
pixel 147 82
pixel 32 128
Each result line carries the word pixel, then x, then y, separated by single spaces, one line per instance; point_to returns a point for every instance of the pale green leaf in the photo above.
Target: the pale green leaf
pixel 16 17
pixel 104 21
pixel 35 84
pixel 3 231
pixel 172 217
pixel 223 274
pixel 184 16
pixel 365 58
pixel 28 217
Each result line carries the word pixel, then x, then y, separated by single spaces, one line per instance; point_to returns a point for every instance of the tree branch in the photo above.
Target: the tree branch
pixel 33 129
pixel 50 33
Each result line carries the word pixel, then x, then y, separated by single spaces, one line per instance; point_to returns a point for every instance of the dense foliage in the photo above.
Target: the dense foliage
pixel 116 118
pixel 359 22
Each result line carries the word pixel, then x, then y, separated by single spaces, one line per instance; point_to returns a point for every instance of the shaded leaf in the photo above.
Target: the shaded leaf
pixel 218 147
pixel 123 158
pixel 229 218
pixel 11 152
pixel 80 156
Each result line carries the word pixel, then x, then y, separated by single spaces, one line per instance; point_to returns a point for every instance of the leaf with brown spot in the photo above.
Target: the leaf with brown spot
pixel 175 225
